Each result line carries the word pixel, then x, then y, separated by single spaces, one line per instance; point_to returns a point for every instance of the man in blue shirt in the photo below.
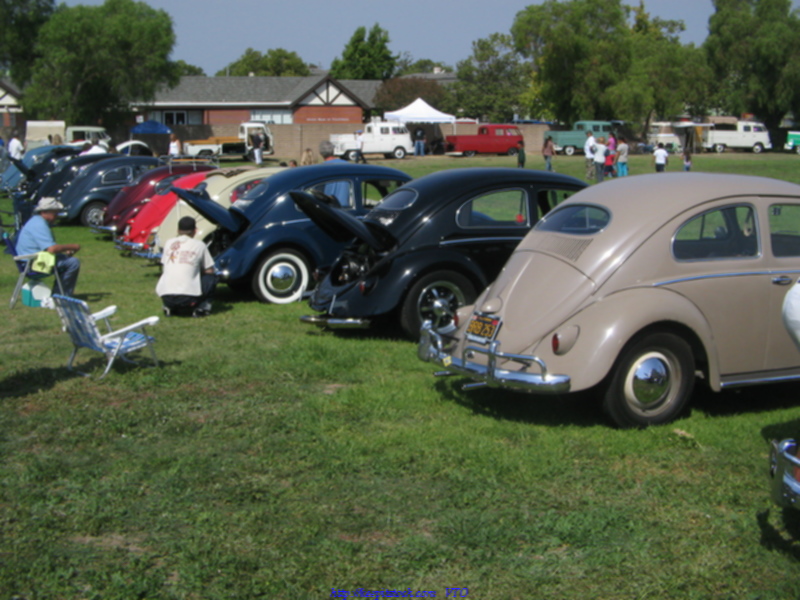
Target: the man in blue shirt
pixel 36 237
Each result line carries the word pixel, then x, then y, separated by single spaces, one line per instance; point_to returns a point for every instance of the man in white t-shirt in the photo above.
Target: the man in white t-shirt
pixel 188 279
pixel 660 158
pixel 588 151
pixel 15 147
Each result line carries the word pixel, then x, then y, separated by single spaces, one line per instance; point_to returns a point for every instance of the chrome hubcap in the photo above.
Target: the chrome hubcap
pixel 651 382
pixel 282 277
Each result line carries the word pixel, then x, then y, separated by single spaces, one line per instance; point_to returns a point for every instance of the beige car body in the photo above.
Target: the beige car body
pixel 602 293
pixel 219 186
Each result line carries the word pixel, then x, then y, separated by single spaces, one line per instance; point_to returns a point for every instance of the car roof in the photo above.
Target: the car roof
pixel 658 197
pixel 457 181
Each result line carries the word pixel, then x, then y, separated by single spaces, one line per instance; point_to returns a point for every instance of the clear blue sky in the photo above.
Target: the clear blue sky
pixel 213 33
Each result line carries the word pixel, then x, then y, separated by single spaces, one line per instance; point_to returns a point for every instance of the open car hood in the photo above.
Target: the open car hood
pixel 340 225
pixel 28 173
pixel 199 200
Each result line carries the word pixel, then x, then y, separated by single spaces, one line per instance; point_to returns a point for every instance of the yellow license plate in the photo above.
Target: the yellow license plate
pixel 483 327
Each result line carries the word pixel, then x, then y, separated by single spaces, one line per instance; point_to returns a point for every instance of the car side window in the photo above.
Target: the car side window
pixel 341 189
pixel 500 208
pixel 728 232
pixel 784 229
pixel 373 191
pixel 546 200
pixel 116 175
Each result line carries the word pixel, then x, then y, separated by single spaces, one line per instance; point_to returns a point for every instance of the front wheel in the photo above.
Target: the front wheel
pixel 399 152
pixel 719 148
pixel 435 297
pixel 92 214
pixel 281 277
pixel 512 151
pixel 469 153
pixel 569 150
pixel 651 381
pixel 758 148
pixel 351 155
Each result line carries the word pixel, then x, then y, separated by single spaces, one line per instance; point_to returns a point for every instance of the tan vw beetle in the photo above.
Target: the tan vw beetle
pixel 637 286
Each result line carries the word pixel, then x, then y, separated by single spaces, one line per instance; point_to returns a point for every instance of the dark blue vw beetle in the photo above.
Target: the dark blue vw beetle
pixel 271 245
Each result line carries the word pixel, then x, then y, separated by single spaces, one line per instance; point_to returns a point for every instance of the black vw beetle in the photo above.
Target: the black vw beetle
pixel 429 247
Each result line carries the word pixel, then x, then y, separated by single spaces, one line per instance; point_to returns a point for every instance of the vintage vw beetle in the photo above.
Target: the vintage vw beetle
pixel 430 246
pixel 268 244
pixel 636 286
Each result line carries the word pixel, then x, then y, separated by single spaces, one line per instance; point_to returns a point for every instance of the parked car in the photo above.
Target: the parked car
pixel 34 166
pixel 430 246
pixel 784 471
pixel 140 191
pixel 96 185
pixel 490 139
pixel 269 244
pixel 633 287
pixel 225 190
pixel 139 223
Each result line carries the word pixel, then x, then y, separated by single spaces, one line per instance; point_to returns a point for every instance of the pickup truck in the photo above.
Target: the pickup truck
pixel 44 133
pixel 571 141
pixel 490 139
pixel 241 145
pixel 379 137
pixel 742 135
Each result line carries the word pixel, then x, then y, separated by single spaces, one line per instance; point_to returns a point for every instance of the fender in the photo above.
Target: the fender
pixel 75 208
pixel 392 285
pixel 608 325
pixel 242 257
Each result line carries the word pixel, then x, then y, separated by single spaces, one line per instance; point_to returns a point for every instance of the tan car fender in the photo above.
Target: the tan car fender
pixel 605 327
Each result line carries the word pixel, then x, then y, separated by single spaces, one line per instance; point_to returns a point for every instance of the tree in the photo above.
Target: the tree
pixel 399 92
pixel 94 60
pixel 407 66
pixel 274 63
pixel 578 50
pixel 185 68
pixel 20 21
pixel 753 48
pixel 491 81
pixel 366 56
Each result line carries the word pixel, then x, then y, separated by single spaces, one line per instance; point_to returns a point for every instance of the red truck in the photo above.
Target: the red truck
pixel 490 139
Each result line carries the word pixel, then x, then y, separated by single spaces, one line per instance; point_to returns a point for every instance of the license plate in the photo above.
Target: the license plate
pixel 482 328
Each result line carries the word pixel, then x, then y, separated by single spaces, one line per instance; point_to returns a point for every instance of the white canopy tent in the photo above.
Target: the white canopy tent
pixel 419 111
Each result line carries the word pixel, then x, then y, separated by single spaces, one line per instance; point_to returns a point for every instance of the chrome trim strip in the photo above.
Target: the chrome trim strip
pixel 769 272
pixel 482 239
pixel 734 383
pixel 335 322
pixel 431 349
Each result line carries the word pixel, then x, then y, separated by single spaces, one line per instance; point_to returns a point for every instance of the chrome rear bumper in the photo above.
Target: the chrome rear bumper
pixel 785 488
pixel 335 323
pixel 104 229
pixel 431 349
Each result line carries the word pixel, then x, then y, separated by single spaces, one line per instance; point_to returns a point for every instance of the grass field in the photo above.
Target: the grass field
pixel 265 459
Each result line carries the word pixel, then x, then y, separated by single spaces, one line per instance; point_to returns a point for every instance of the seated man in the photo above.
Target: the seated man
pixel 36 237
pixel 188 279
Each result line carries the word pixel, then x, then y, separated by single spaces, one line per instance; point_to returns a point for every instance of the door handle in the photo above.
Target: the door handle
pixel 782 280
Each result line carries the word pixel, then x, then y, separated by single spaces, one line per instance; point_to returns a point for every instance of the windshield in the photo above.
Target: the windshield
pixel 576 219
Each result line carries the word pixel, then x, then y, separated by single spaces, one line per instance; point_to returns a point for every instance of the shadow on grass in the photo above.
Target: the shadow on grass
pixel 786 541
pixel 580 409
pixel 45 378
pixel 748 400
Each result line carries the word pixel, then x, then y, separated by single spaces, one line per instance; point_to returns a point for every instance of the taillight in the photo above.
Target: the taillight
pixel 555 343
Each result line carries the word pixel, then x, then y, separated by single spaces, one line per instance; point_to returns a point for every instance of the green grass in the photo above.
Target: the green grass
pixel 265 459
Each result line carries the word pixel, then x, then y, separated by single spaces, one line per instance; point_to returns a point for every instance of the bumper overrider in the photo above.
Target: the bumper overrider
pixel 431 349
pixel 783 468
pixel 104 229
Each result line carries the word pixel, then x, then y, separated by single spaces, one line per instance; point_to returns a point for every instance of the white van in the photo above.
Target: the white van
pixel 742 135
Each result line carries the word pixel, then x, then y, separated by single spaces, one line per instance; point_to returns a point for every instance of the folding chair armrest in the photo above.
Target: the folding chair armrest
pixel 138 325
pixel 104 315
pixel 24 257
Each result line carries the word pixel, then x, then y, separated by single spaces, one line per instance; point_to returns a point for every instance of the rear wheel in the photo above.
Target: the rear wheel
pixel 512 151
pixel 719 148
pixel 281 277
pixel 758 148
pixel 351 155
pixel 435 297
pixel 651 382
pixel 469 153
pixel 93 213
pixel 569 150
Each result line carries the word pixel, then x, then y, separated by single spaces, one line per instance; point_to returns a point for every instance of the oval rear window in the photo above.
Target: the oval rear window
pixel 575 219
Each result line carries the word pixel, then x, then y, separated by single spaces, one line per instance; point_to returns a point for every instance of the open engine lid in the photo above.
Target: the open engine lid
pixel 233 222
pixel 340 225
